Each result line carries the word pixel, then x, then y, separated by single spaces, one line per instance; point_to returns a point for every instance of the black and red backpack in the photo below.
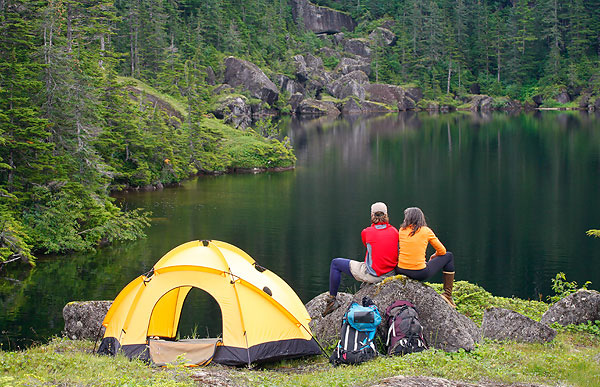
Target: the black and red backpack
pixel 405 332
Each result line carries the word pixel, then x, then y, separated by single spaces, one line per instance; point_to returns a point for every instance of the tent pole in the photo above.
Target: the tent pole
pixel 317 341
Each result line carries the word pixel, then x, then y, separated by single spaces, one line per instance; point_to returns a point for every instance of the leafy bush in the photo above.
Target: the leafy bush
pixel 562 288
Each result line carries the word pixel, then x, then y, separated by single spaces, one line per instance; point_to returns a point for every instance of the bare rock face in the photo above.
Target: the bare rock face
pixel 351 84
pixel 382 36
pixel 563 97
pixel 234 110
pixel 295 100
pixel 357 46
pixel 578 308
pixel 381 92
pixel 351 106
pixel 286 84
pixel 83 319
pixel 321 19
pixel 444 328
pixel 481 103
pixel 211 78
pixel 316 107
pixel 311 73
pixel 348 65
pixel 504 324
pixel 242 73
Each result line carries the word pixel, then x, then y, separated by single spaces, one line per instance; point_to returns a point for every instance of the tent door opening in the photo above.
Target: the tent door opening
pixel 195 330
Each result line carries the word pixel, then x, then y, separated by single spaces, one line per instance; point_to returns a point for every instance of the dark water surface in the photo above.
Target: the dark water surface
pixel 511 196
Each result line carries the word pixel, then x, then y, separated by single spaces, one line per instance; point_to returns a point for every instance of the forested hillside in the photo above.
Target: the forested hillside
pixel 80 81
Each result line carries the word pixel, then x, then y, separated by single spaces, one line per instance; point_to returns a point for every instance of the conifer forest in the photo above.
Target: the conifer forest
pixel 101 96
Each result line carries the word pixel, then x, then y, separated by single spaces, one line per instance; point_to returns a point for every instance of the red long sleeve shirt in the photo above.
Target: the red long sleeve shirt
pixel 381 241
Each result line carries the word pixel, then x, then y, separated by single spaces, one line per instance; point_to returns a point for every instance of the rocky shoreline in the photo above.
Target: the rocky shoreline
pixel 244 92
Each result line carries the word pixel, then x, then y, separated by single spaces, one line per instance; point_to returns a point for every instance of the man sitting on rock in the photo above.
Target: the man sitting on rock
pixel 381 258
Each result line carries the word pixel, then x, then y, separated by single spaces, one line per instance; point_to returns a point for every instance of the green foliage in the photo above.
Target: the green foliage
pixel 472 301
pixel 594 233
pixel 251 151
pixel 70 218
pixel 562 288
pixel 590 327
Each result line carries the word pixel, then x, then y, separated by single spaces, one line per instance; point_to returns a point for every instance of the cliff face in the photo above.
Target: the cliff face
pixel 320 19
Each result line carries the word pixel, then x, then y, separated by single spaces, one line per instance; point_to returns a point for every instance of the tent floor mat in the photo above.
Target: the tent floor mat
pixel 187 351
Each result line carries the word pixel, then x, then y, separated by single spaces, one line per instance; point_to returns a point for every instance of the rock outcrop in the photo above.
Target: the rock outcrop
pixel 504 324
pixel 348 65
pixel 321 20
pixel 246 74
pixel 388 94
pixel 349 85
pixel 83 319
pixel 357 46
pixel 314 107
pixel 382 36
pixel 481 103
pixel 234 110
pixel 577 308
pixel 444 327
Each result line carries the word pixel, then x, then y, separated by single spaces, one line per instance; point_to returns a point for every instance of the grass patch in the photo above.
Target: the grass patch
pixel 555 363
pixel 175 103
pixel 572 359
pixel 70 363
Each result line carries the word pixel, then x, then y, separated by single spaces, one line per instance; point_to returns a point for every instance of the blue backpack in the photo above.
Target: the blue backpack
pixel 359 326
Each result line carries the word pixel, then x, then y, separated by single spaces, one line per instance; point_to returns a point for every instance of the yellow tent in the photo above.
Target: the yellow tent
pixel 263 318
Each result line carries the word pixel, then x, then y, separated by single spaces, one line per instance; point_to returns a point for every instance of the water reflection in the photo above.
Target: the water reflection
pixel 511 196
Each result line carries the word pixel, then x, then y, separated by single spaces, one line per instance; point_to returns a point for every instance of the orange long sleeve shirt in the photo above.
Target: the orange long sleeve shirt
pixel 413 248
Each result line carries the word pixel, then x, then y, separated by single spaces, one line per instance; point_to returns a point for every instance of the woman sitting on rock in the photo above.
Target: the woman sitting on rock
pixel 381 242
pixel 414 237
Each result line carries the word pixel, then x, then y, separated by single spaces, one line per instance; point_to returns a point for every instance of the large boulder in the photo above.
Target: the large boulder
pixel 577 308
pixel 246 74
pixel 83 319
pixel 352 106
pixel 382 36
pixel 295 100
pixel 414 93
pixel 234 109
pixel 316 107
pixel 563 97
pixel 481 102
pixel 286 84
pixel 504 324
pixel 444 328
pixel 388 94
pixel 321 19
pixel 211 78
pixel 348 65
pixel 349 85
pixel 357 46
pixel 406 103
pixel 311 73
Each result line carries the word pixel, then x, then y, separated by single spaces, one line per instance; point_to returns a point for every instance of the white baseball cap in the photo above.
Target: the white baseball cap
pixel 378 207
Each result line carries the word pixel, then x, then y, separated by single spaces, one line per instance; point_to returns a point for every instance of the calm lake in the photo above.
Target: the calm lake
pixel 510 196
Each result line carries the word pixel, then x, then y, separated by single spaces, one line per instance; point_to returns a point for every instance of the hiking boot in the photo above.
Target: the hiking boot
pixel 332 304
pixel 448 279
